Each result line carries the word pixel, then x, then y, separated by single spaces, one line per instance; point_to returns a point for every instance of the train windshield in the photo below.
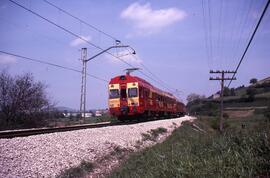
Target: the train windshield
pixel 132 92
pixel 114 93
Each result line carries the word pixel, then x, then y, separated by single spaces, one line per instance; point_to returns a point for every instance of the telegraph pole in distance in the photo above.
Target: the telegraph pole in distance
pixel 222 79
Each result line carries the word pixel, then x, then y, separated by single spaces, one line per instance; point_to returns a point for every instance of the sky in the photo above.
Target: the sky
pixel 176 44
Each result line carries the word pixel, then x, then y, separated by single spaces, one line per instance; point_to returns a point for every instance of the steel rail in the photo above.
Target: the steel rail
pixel 38 131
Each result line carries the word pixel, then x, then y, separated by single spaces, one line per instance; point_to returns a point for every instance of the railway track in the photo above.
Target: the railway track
pixel 28 132
pixel 38 131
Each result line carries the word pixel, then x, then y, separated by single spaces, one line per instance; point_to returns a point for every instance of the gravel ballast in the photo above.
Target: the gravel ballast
pixel 48 154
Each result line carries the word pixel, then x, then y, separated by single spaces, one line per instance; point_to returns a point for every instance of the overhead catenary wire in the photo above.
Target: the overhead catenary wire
pixel 250 40
pixel 220 24
pixel 82 21
pixel 106 34
pixel 149 71
pixel 51 64
pixel 79 37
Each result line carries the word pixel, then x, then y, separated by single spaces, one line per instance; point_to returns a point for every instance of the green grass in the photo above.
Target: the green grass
pixel 77 172
pixel 188 152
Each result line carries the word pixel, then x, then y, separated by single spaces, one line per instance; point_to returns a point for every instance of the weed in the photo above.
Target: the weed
pixel 78 171
pixel 153 134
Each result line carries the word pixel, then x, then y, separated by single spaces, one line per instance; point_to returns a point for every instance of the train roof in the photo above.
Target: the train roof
pixel 130 78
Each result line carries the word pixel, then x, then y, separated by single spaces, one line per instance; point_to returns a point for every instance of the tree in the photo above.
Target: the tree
pixel 251 92
pixel 193 96
pixel 226 91
pixel 21 96
pixel 253 81
pixel 232 92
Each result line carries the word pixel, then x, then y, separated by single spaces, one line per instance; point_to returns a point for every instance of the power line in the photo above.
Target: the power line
pixel 209 60
pixel 77 36
pixel 106 34
pixel 82 21
pixel 158 80
pixel 52 64
pixel 236 49
pixel 259 22
pixel 210 29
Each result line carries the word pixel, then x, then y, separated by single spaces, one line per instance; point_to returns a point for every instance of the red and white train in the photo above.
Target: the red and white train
pixel 132 97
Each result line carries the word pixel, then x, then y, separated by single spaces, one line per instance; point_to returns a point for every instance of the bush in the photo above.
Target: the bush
pixel 267 112
pixel 153 134
pixel 78 171
pixel 214 123
pixel 208 108
pixel 251 92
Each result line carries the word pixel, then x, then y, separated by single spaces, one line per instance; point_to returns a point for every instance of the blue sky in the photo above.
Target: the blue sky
pixel 179 41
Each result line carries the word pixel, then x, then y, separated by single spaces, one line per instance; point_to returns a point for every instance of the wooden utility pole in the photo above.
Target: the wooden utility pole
pixel 222 79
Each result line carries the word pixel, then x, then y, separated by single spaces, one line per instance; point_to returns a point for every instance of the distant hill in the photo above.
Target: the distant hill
pixel 263 81
pixel 241 96
pixel 241 101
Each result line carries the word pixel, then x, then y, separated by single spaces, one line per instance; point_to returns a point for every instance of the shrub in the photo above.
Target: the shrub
pixel 153 134
pixel 78 171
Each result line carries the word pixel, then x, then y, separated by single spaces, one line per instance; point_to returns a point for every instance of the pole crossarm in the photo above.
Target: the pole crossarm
pixel 218 78
pixel 222 71
pixel 105 50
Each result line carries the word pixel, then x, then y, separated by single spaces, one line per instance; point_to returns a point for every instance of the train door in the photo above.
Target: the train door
pixel 123 99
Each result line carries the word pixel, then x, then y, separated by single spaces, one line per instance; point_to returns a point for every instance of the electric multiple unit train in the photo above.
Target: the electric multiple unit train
pixel 132 97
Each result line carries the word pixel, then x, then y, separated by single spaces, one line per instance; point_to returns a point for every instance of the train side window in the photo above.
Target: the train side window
pixel 147 93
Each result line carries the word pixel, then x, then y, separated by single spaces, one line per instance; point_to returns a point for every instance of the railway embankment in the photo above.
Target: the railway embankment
pixel 198 149
pixel 94 151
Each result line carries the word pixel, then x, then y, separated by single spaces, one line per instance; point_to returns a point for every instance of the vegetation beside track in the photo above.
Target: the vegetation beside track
pixel 198 150
pixel 78 171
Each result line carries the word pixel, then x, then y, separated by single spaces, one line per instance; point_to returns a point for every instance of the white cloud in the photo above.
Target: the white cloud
pixel 148 21
pixel 125 56
pixel 79 41
pixel 7 59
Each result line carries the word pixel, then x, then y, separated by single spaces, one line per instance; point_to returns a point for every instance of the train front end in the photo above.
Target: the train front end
pixel 124 97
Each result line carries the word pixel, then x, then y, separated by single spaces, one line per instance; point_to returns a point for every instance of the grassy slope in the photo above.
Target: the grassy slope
pixel 243 151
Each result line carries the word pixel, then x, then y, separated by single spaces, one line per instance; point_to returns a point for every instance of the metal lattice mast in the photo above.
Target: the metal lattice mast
pixel 83 83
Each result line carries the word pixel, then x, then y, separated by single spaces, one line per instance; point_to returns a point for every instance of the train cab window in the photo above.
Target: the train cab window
pixel 123 93
pixel 114 93
pixel 132 92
